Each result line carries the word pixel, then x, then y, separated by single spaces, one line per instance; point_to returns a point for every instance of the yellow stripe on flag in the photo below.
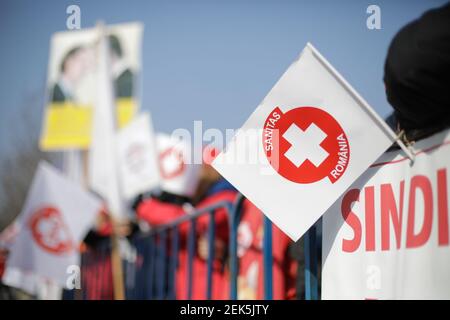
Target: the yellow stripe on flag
pixel 68 125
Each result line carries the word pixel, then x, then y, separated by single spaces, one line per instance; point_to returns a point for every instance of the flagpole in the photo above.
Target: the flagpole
pixel 116 264
pixel 395 138
pixel 116 260
pixel 74 169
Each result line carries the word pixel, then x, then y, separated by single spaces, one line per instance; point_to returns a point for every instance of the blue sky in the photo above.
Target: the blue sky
pixel 204 60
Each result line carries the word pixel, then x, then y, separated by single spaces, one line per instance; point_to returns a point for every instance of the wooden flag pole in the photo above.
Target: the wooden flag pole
pixel 116 260
pixel 116 264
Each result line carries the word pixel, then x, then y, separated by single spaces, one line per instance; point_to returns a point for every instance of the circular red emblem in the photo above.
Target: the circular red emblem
pixel 305 145
pixel 50 232
pixel 171 163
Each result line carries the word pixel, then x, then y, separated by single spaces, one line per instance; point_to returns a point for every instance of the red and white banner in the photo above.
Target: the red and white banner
pixel 387 237
pixel 304 145
pixel 55 218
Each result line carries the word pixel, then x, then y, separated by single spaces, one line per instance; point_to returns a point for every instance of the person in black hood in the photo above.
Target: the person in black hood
pixel 417 75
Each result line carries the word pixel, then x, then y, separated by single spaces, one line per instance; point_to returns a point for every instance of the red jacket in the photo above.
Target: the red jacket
pixel 96 272
pixel 96 275
pixel 220 282
pixel 2 263
pixel 250 253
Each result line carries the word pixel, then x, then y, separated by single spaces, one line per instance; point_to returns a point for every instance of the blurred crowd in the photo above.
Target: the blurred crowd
pixel 417 72
pixel 206 188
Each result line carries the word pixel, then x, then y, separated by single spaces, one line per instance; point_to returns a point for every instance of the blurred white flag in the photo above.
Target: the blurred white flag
pixel 54 220
pixel 103 169
pixel 73 165
pixel 138 161
pixel 179 175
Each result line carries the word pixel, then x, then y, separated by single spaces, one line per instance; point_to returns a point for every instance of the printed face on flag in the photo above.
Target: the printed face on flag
pixel 72 88
pixel 55 218
pixel 304 145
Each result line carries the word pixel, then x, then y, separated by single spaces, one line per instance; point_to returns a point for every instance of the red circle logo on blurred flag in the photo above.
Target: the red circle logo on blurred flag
pixel 171 163
pixel 306 144
pixel 50 232
pixel 209 154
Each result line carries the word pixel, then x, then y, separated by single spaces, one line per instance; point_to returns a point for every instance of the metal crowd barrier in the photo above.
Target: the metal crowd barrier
pixel 150 269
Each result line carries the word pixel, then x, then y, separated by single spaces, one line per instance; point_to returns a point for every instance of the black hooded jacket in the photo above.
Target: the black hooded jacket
pixel 417 75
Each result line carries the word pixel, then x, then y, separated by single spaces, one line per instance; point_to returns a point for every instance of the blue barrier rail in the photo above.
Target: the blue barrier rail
pixel 154 275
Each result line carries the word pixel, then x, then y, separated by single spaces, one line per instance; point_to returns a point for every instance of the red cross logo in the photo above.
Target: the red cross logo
pixel 305 144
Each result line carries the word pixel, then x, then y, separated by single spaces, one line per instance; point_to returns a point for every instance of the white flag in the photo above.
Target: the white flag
pixel 304 145
pixel 103 169
pixel 137 153
pixel 55 218
pixel 179 175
